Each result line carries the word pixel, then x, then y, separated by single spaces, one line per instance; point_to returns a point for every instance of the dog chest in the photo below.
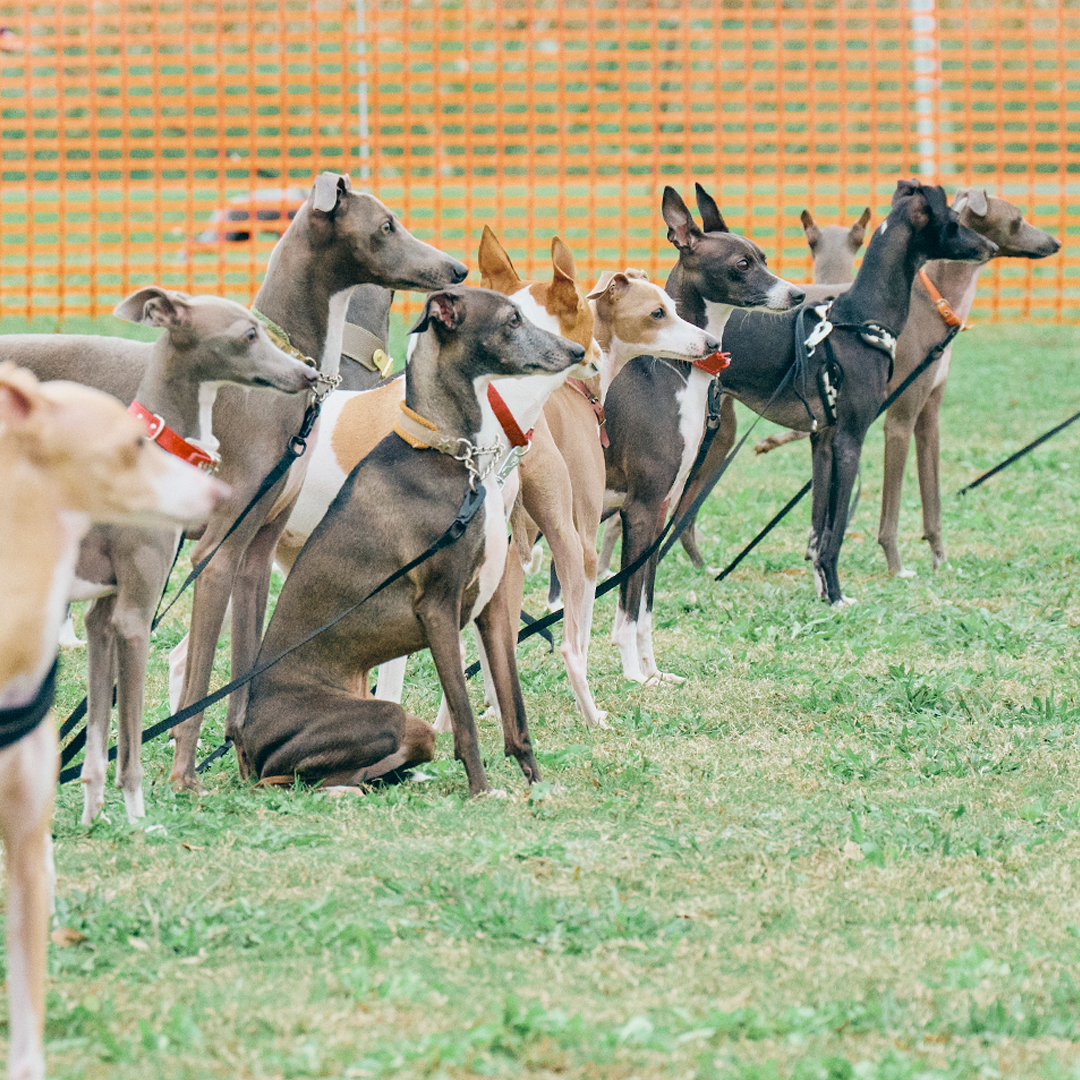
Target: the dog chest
pixel 489 573
pixel 692 400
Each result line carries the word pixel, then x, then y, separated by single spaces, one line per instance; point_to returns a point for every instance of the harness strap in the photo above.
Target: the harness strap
pixel 20 721
pixel 597 407
pixel 943 306
pixel 158 431
pixel 367 349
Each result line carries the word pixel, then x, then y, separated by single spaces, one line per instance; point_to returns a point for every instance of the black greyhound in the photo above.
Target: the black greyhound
pixel 852 364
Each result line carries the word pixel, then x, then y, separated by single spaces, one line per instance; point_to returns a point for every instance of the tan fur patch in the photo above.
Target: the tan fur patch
pixel 364 422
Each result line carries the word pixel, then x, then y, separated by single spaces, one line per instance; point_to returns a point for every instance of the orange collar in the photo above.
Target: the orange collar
pixel 944 308
pixel 597 408
pixel 157 431
pixel 510 426
pixel 713 364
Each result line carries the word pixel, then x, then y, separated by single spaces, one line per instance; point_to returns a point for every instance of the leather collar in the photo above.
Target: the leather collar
pixel 511 428
pixel 158 431
pixel 944 307
pixel 597 408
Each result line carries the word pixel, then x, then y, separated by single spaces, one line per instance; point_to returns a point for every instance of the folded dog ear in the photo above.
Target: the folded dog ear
pixel 974 199
pixel 711 218
pixel 809 225
pixel 327 191
pixel 155 306
pixel 682 229
pixel 18 395
pixel 612 283
pixel 444 309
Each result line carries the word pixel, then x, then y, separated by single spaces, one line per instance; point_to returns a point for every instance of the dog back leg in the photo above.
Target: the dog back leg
pixel 897 440
pixel 101 662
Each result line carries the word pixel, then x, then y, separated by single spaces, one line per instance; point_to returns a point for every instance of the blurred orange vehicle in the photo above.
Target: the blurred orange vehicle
pixel 244 217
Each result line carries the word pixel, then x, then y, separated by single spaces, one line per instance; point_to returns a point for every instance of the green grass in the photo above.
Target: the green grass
pixel 846 847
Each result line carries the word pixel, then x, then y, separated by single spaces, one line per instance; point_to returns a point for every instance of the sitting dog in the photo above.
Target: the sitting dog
pixel 68 456
pixel 311 715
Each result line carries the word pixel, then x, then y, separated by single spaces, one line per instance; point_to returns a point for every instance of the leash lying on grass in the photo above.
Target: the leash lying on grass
pixel 1019 454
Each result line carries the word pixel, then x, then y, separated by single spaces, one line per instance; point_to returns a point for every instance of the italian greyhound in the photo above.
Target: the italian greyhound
pixel 844 384
pixel 834 247
pixel 68 456
pixel 207 343
pixel 946 294
pixel 656 409
pixel 339 238
pixel 310 715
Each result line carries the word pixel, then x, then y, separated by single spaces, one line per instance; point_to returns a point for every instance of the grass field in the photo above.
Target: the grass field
pixel 847 847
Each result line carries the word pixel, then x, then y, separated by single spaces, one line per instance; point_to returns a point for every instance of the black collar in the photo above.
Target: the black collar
pixel 15 723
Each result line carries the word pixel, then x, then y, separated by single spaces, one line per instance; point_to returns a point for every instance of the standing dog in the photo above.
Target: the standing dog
pixel 310 714
pixel 656 409
pixel 838 392
pixel 68 456
pixel 207 342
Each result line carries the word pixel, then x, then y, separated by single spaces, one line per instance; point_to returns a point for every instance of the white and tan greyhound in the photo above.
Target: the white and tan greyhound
pixel 68 456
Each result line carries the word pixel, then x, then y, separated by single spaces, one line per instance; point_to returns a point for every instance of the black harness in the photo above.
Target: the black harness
pixel 19 722
pixel 830 375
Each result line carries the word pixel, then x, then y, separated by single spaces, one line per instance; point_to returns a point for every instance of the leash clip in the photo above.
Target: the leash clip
pixel 821 331
pixel 325 385
pixel 511 462
pixel 468 454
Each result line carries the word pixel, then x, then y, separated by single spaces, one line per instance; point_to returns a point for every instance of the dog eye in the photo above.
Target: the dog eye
pixel 743 264
pixel 386 228
pixel 659 313
pixel 514 320
pixel 252 333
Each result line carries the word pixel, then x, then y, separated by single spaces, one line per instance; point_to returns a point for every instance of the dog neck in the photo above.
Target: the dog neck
pixel 437 390
pixel 185 404
pixel 35 579
pixel 881 291
pixel 956 281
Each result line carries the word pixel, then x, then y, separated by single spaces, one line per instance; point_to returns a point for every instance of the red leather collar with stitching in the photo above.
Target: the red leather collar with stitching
pixel 506 419
pixel 713 364
pixel 167 439
pixel 944 308
pixel 597 408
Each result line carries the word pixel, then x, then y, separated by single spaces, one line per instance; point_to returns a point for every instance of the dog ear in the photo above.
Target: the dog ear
pixel 974 199
pixel 327 191
pixel 612 284
pixel 565 297
pixel 809 227
pixel 682 229
pixel 857 232
pixel 562 259
pixel 496 270
pixel 904 188
pixel 18 395
pixel 443 309
pixel 154 306
pixel 711 218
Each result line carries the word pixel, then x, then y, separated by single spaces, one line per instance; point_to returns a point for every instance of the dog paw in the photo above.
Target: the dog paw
pixel 493 793
pixel 67 638
pixel 664 678
pixel 339 791
pixel 845 601
pixel 907 574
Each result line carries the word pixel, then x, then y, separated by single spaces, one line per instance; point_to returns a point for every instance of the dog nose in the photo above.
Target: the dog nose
pixel 460 272
pixel 711 345
pixel 577 352
pixel 798 296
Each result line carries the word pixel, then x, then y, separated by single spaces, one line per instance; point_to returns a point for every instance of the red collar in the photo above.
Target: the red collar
pixel 944 308
pixel 506 419
pixel 597 408
pixel 167 439
pixel 713 364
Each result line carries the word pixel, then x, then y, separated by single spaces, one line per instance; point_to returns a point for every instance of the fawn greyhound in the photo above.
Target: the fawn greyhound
pixel 941 296
pixel 207 342
pixel 836 383
pixel 68 456
pixel 310 715
pixel 657 409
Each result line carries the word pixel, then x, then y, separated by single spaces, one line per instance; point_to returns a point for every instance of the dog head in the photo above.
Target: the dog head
pixel 1004 224
pixel 935 227
pixel 834 247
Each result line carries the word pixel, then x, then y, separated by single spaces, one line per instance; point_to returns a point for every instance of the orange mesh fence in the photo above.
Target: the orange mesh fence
pixel 167 141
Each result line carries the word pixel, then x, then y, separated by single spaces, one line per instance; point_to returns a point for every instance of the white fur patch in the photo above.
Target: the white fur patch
pixel 330 361
pixel 717 316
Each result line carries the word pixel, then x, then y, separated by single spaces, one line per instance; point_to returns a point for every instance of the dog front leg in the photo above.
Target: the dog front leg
pixel 132 636
pixel 441 620
pixel 846 453
pixel 29 779
pixel 821 443
pixel 928 456
pixel 101 662
pixel 498 637
pixel 897 440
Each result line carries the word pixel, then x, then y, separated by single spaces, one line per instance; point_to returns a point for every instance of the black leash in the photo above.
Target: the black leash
pixel 474 499
pixel 1019 454
pixel 17 722
pixel 934 354
pixel 295 449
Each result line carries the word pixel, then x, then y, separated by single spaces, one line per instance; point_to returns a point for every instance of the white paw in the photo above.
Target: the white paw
pixel 599 720
pixel 67 638
pixel 133 803
pixel 493 793
pixel 664 678
pixel 845 601
pixel 907 574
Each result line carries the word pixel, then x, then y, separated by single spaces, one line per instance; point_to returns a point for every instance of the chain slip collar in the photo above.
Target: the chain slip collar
pixel 280 337
pixel 422 434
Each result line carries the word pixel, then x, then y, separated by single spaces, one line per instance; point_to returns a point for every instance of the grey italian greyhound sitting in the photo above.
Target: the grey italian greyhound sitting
pixel 207 342
pixel 942 298
pixel 311 715
pixel 844 383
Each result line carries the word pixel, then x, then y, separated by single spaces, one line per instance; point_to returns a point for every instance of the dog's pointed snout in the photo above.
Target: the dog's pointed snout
pixel 712 345
pixel 577 351
pixel 798 296
pixel 460 272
